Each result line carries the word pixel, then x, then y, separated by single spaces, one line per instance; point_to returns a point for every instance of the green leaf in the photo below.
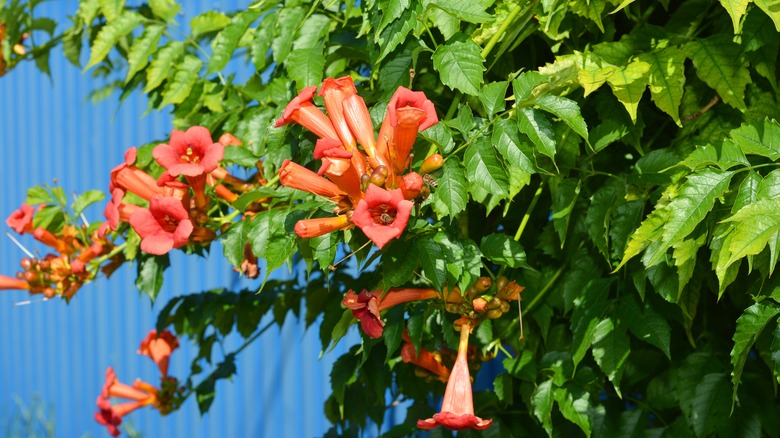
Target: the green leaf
pixel 759 138
pixel 667 78
pixel 749 325
pixel 71 46
pixel 38 195
pixel 535 125
pixel 234 242
pixel 567 110
pixel 88 10
pixel 736 9
pixel 343 373
pixel 645 323
pixel 226 41
pixel 599 215
pixel 724 155
pixel 465 10
pixel 209 21
pixel 772 9
pixel 629 83
pixel 142 48
pixel 525 84
pixel 611 349
pixel 150 274
pixel 503 250
pixel 516 152
pixel 711 404
pixel 460 64
pixel 493 97
pixel 694 200
pixel 574 403
pixel 542 402
pixel 592 9
pixel 564 194
pixel 110 35
pixel 451 196
pixel 111 8
pixel 485 168
pixel 774 349
pixel 432 261
pixel 165 9
pixel 179 87
pixel 86 199
pixel 391 10
pixel 395 33
pixel 588 311
pixel 162 64
pixel 755 224
pixel 399 264
pixel 305 66
pixel 719 63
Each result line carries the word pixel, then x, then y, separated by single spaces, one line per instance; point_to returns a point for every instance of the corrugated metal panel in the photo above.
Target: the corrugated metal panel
pixel 60 352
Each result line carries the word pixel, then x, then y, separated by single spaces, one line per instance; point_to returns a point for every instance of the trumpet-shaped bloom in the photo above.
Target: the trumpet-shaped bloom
pixel 302 111
pixel 21 219
pixel 7 282
pixel 382 214
pixel 308 228
pixel 141 394
pixel 366 305
pixel 424 359
pixel 457 410
pixel 191 153
pixel 406 98
pixel 298 177
pixel 159 348
pixel 164 226
pixel 334 91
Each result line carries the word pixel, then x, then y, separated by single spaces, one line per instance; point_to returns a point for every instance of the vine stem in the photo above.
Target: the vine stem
pixel 528 212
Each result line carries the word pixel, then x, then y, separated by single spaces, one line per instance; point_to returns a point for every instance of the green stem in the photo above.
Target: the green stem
pixel 272 181
pixel 117 249
pixel 500 32
pixel 528 212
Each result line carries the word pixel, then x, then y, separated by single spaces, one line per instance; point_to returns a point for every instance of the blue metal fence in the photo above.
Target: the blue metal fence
pixel 59 352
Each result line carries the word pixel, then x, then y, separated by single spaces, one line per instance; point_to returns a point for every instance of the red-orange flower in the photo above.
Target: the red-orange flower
pixel 407 113
pixel 21 219
pixel 159 348
pixel 141 394
pixel 366 305
pixel 189 153
pixel 164 226
pixel 334 91
pixel 302 111
pixel 457 411
pixel 308 228
pixel 298 177
pixel 7 282
pixel 382 214
pixel 424 359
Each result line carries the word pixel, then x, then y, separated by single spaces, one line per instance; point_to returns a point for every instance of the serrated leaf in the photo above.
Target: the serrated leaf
pixel 667 78
pixel 165 9
pixel 226 41
pixel 611 349
pixel 391 10
pixel 111 8
pixel 150 274
pixel 542 402
pixel 535 125
pixel 179 87
pixel 465 10
pixel 343 373
pixel 516 153
pixel 694 200
pixel 565 109
pixel 162 64
pixel 749 325
pixel 485 169
pixel 142 48
pixel 452 194
pixel 724 155
pixel 759 138
pixel 38 195
pixel 88 10
pixel 432 261
pixel 588 310
pixel 460 64
pixel 719 63
pixel 234 242
pixel 305 66
pixel 395 33
pixel 599 215
pixel 493 97
pixel 71 46
pixel 736 9
pixel 503 250
pixel 209 21
pixel 754 224
pixel 110 35
pixel 525 84
pixel 86 199
pixel 592 9
pixel 629 83
pixel 574 403
pixel 646 324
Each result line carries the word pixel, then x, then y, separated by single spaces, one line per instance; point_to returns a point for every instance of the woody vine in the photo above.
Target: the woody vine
pixel 585 191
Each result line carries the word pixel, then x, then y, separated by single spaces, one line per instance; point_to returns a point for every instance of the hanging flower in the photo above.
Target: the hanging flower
pixel 366 305
pixel 457 411
pixel 382 214
pixel 159 348
pixel 164 226
pixel 21 219
pixel 141 394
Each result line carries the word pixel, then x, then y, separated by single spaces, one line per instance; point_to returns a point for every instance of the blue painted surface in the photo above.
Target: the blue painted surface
pixel 60 352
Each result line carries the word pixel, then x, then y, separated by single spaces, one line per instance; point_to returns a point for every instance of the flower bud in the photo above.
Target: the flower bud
pixel 432 163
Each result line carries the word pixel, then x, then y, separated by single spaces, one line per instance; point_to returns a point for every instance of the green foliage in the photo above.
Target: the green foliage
pixel 627 180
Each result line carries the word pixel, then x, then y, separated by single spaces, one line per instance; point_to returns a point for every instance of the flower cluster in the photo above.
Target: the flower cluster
pixel 165 399
pixel 365 176
pixel 64 271
pixel 175 212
